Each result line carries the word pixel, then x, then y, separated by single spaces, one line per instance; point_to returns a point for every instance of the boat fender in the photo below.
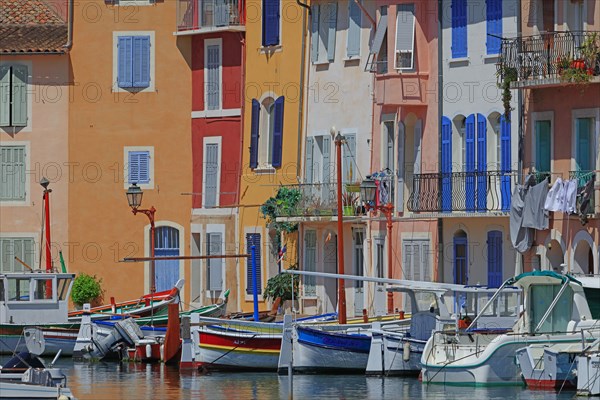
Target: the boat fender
pixel 406 351
pixel 63 397
pixel 148 351
pixel 162 352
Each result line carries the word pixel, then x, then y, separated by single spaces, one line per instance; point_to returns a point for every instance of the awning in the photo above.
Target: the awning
pixel 379 34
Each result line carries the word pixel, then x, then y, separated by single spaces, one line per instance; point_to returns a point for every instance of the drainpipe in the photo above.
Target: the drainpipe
pixel 520 264
pixel 364 11
pixel 240 166
pixel 301 99
pixel 69 43
pixel 440 221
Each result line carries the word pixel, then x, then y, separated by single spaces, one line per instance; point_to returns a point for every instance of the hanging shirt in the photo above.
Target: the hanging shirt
pixel 570 205
pixel 534 215
pixel 555 199
pixel 520 237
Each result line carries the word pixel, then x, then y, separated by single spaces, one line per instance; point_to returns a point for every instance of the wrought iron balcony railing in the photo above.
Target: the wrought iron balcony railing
pixel 198 14
pixel 485 191
pixel 320 200
pixel 549 58
pixel 583 178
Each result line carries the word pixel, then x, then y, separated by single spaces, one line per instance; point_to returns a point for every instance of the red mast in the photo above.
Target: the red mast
pixel 44 182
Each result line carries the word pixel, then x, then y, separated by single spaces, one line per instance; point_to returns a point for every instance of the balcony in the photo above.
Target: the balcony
pixel 206 16
pixel 319 200
pixel 550 59
pixel 467 192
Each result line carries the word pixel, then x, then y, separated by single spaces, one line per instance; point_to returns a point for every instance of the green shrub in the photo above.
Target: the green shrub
pixel 281 286
pixel 86 289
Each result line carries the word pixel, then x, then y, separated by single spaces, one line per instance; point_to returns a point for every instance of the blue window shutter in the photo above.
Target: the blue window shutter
pixel 470 163
pixel 494 254
pixel 125 61
pixel 314 37
pixel 254 125
pixel 308 169
pixel 139 167
pixel 133 167
pixel 481 163
pixel 446 164
pixel 494 26
pixel 459 28
pixel 332 19
pixel 270 22
pixel 19 95
pixel 354 22
pixel 278 133
pixel 253 239
pixel 505 163
pixel 5 88
pixel 144 163
pixel 141 61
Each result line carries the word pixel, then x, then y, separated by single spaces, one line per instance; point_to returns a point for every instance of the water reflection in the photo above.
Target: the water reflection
pixel 144 381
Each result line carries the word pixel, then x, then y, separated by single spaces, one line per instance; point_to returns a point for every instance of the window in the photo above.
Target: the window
pixel 358 260
pixel 354 30
pixel 139 166
pixel 388 145
pixel 459 28
pixel 349 167
pixel 378 49
pixel 494 26
pixel 253 239
pixel 212 172
pixel 13 95
pixel 270 22
pixel 405 36
pixel 379 261
pixel 324 19
pixel 319 168
pixel 214 246
pixel 417 266
pixel 310 262
pixel 133 61
pixel 22 247
pixel 212 77
pixel 585 157
pixel 543 142
pixel 12 173
pixel 166 244
pixel 266 133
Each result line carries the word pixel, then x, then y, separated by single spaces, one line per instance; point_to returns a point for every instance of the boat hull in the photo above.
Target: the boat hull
pixel 317 351
pixel 396 360
pixel 238 351
pixel 56 339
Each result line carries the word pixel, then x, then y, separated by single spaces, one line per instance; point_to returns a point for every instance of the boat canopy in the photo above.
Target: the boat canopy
pixel 538 274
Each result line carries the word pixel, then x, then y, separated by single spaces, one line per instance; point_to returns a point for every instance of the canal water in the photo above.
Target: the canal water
pixel 112 381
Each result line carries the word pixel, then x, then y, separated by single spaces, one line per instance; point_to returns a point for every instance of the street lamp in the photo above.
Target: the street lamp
pixel 134 198
pixel 368 192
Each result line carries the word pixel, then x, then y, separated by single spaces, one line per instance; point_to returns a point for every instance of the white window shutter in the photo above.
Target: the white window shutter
pixel 354 22
pixel 332 24
pixel 405 36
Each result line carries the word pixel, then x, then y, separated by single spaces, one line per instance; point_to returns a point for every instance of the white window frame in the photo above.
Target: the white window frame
pixel 593 113
pixel 265 132
pixel 126 151
pixel 214 228
pixel 213 42
pixel 30 94
pixel 412 51
pixel 542 116
pixel 22 235
pixel 218 141
pixel 26 201
pixel 115 83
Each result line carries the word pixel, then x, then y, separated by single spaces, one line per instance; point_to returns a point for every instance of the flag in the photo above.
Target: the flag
pixel 281 253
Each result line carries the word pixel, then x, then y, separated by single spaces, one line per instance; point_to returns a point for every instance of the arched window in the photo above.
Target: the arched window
pixel 267 118
pixel 166 243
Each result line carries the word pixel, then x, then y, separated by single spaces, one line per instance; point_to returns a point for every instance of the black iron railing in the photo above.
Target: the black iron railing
pixel 485 191
pixel 197 14
pixel 565 55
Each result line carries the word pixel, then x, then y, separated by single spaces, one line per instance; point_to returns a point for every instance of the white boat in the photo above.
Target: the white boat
pixel 549 367
pixel 588 371
pixel 555 310
pixel 429 305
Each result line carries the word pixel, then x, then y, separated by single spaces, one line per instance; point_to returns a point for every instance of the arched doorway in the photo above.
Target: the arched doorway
pixel 166 243
pixel 461 258
pixel 583 259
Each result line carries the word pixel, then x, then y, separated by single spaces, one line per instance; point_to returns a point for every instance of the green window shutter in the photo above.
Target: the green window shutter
pixel 332 22
pixel 24 248
pixel 12 173
pixel 583 158
pixel 4 95
pixel 543 146
pixel 19 95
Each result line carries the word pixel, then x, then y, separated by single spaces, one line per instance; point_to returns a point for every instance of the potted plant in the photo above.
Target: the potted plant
pixel 349 200
pixel 87 289
pixel 590 53
pixel 281 286
pixel 506 75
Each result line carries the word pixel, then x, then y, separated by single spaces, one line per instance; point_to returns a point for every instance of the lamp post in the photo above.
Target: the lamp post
pixel 339 140
pixel 134 198
pixel 368 192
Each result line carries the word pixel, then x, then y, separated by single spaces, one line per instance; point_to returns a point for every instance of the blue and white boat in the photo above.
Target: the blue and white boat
pixel 555 310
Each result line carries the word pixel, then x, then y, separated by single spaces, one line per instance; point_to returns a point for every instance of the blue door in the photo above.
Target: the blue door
pixel 494 254
pixel 470 163
pixel 461 260
pixel 166 243
pixel 505 162
pixel 481 163
pixel 446 165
